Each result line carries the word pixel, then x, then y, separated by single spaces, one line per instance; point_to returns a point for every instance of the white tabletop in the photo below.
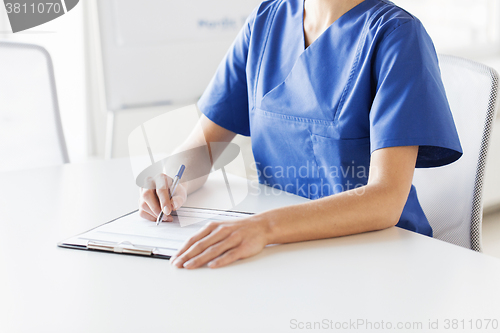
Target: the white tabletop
pixel 387 277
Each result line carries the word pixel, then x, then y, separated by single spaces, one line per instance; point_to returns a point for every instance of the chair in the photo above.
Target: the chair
pixel 31 134
pixel 451 196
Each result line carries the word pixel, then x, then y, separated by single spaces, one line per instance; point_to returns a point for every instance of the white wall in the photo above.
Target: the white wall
pixel 125 120
pixel 63 38
pixel 468 28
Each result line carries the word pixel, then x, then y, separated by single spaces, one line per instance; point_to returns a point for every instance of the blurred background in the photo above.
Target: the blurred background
pixel 120 63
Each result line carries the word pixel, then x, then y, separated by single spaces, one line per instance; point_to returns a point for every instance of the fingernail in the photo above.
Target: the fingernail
pixel 188 264
pixel 175 206
pixel 165 210
pixel 211 264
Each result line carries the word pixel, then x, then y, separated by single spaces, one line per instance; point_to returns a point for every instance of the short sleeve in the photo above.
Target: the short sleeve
pixel 410 107
pixel 225 101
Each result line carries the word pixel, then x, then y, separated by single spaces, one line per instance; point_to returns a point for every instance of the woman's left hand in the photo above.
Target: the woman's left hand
pixel 221 243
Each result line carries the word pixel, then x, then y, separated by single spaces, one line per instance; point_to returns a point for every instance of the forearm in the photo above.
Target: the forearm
pixel 199 163
pixel 195 184
pixel 368 208
pixel 191 154
pixel 375 206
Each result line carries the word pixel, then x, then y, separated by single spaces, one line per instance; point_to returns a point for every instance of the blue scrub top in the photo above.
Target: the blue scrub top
pixel 315 114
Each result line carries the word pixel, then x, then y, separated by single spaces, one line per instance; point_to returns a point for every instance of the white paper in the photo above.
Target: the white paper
pixel 167 235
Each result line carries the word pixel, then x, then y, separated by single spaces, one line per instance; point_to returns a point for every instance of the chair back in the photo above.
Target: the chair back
pixel 451 196
pixel 30 126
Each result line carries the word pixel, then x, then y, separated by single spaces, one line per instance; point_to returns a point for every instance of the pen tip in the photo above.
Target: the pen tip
pixel 160 217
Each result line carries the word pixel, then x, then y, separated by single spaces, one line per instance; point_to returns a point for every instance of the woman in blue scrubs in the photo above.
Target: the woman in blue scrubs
pixel 342 100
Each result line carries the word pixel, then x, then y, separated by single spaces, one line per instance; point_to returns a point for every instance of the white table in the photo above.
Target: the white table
pixel 392 275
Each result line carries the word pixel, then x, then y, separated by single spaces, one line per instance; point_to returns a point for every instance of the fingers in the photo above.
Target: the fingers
pixel 146 213
pixel 162 182
pixel 179 197
pixel 153 218
pixel 144 210
pixel 213 252
pixel 206 249
pixel 199 235
pixel 225 259
pixel 143 206
pixel 177 202
pixel 150 198
pixel 221 243
pixel 147 216
pixel 154 196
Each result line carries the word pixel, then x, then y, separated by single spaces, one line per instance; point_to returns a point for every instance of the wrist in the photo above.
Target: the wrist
pixel 267 224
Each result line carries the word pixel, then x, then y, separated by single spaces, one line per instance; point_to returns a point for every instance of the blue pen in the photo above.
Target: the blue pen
pixel 175 182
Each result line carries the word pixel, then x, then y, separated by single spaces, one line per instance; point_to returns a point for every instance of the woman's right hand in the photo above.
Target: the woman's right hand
pixel 155 197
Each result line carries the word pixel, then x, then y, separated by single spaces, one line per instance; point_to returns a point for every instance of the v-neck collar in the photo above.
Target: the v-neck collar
pixel 356 10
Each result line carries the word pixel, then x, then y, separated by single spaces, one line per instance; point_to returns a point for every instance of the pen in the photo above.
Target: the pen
pixel 175 182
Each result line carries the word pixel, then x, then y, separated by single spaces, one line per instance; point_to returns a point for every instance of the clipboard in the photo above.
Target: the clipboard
pixel 132 235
